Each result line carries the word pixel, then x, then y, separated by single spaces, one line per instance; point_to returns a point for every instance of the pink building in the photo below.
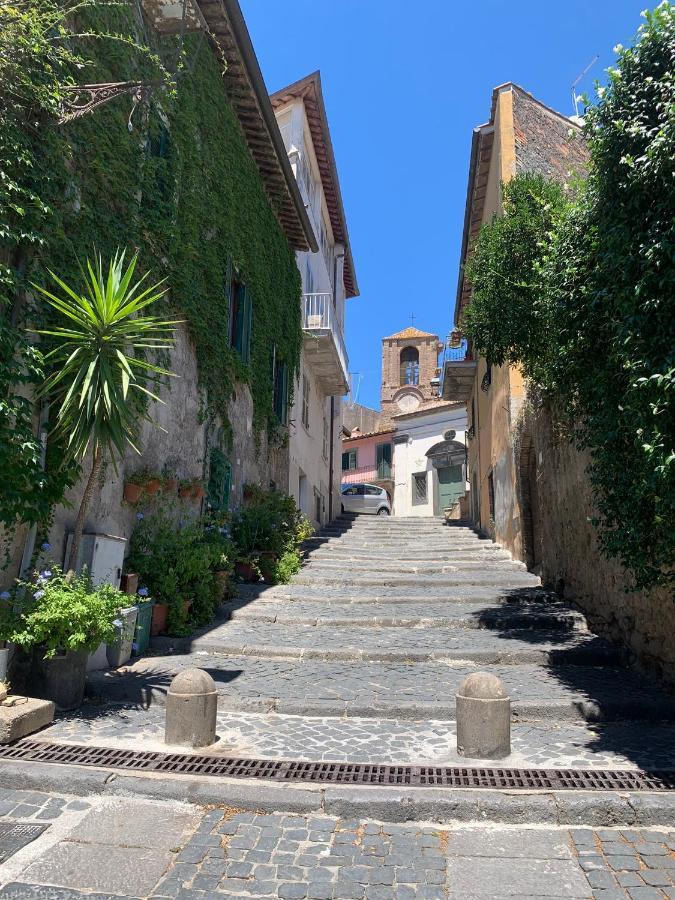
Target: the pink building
pixel 369 458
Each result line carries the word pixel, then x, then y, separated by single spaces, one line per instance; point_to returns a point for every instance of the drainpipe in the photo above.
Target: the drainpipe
pixel 331 449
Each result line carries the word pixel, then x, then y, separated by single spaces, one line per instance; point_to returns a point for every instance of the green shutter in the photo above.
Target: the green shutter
pixel 345 461
pixel 220 481
pixel 239 324
pixel 248 327
pixel 228 299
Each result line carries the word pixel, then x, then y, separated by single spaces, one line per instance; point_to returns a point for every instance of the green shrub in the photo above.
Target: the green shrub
pixel 59 614
pixel 270 523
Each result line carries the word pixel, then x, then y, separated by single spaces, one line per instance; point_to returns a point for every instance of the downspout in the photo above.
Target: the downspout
pixel 331 451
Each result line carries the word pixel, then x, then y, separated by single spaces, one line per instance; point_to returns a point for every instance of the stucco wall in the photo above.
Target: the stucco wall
pixel 645 623
pixel 423 432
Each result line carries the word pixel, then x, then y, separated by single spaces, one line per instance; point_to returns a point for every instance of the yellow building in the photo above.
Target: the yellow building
pixel 522 135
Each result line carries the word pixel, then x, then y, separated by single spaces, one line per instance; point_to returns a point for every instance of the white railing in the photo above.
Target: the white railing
pixel 319 314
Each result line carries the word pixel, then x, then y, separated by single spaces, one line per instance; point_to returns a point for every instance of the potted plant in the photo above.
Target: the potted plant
pixel 197 490
pixel 133 488
pixel 62 619
pixel 153 484
pixel 169 482
pixel 245 568
pixel 96 374
pixel 185 488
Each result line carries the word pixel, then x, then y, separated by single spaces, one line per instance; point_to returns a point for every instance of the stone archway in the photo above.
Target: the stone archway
pixel 529 501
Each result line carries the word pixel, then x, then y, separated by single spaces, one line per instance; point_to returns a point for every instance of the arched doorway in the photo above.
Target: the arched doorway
pixel 529 499
pixel 448 459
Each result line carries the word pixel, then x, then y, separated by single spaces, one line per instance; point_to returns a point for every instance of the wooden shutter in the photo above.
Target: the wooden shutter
pixel 228 298
pixel 247 325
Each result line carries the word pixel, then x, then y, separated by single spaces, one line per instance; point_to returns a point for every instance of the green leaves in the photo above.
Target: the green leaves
pixel 95 358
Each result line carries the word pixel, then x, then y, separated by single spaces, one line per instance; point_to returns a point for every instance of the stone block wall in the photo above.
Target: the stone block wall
pixel 571 559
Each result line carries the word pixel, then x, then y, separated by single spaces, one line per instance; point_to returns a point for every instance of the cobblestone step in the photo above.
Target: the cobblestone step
pixel 378 643
pixel 405 554
pixel 350 593
pixel 431 615
pixel 418 691
pixel 419 567
pixel 504 578
pixel 625 745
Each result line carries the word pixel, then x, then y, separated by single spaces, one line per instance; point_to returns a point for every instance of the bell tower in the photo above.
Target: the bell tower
pixel 409 371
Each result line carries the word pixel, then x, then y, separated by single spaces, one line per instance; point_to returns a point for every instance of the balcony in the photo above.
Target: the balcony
pixel 371 474
pixel 459 368
pixel 324 344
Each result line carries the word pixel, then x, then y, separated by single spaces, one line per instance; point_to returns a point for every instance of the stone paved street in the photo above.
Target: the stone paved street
pixel 127 848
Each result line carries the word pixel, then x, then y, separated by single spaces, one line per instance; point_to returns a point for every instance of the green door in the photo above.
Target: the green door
pixel 450 487
pixel 383 460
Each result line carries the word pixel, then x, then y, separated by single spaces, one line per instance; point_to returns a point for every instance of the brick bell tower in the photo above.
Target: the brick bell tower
pixel 409 367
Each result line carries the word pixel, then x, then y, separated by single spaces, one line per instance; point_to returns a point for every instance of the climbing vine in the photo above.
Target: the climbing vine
pixel 180 186
pixel 591 315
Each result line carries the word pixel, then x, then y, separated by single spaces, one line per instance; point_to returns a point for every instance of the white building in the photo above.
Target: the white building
pixel 328 278
pixel 429 459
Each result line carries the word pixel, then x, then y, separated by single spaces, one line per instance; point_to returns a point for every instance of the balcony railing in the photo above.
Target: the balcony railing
pixel 366 474
pixel 458 354
pixel 319 316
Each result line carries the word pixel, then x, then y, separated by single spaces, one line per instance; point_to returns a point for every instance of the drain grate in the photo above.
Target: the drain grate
pixel 15 835
pixel 343 773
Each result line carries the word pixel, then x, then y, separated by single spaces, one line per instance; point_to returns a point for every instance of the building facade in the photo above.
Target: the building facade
pixel 328 279
pixel 369 458
pixel 430 471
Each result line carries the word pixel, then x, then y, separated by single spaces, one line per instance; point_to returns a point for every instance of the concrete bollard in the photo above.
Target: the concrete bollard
pixel 483 717
pixel 191 708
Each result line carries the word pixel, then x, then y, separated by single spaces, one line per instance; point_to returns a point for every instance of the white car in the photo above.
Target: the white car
pixel 365 498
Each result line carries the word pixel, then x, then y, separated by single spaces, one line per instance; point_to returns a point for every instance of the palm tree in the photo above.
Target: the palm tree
pixel 97 367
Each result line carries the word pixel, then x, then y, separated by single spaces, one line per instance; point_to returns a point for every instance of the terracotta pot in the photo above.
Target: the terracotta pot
pixel 132 492
pixel 152 487
pixel 185 491
pixel 160 611
pixel 129 583
pixel 170 485
pixel 246 571
pixel 197 491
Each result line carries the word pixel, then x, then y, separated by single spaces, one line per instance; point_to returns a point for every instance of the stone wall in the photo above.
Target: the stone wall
pixel 571 559
pixel 546 142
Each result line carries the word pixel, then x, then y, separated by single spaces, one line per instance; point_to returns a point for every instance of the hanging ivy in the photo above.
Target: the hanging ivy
pixel 589 310
pixel 180 187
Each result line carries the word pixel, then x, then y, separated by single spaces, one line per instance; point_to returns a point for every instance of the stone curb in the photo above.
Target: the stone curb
pixel 386 804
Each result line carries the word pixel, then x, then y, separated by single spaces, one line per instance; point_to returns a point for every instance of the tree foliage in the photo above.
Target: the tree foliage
pixel 596 325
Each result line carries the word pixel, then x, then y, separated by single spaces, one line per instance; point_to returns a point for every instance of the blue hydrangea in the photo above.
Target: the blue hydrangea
pixel 143 592
pixel 46 546
pixel 5 595
pixel 38 594
pixel 140 516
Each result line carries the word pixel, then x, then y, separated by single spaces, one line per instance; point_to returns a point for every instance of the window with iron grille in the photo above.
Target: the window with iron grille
pixel 305 401
pixel 419 488
pixel 348 460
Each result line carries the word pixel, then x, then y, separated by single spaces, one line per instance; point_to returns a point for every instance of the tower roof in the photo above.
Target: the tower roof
pixel 409 332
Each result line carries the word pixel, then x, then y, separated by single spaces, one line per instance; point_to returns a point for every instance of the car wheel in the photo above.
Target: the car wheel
pixel 383 512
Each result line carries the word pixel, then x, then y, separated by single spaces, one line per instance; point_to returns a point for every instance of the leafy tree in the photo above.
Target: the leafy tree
pixel 581 295
pixel 98 366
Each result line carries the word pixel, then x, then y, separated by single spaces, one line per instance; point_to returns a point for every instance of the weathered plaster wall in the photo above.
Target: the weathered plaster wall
pixel 645 623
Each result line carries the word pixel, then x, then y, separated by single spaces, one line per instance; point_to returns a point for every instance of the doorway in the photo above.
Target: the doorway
pixel 450 487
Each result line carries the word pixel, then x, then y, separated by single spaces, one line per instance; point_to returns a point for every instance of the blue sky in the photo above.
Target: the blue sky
pixel 404 84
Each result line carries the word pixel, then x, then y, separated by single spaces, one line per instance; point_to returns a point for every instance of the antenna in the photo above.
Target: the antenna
pixel 575 97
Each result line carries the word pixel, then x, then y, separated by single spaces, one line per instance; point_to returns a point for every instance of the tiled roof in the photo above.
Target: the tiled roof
pixel 409 333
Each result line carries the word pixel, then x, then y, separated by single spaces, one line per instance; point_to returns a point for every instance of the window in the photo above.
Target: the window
pixel 354 490
pixel 220 481
pixel 325 435
pixel 373 491
pixel 349 460
pixel 281 391
pixel 240 313
pixel 410 366
pixel 305 401
pixel 419 488
pixel 491 496
pixel 383 459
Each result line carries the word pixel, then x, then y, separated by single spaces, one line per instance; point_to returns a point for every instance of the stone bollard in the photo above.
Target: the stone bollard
pixel 191 708
pixel 483 717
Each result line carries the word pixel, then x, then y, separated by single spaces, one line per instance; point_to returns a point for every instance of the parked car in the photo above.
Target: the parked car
pixel 365 498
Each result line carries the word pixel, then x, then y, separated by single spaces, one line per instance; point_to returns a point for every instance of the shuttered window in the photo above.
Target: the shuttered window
pixel 240 313
pixel 348 460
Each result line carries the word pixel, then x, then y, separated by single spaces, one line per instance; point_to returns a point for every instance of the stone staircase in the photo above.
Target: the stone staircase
pixel 360 657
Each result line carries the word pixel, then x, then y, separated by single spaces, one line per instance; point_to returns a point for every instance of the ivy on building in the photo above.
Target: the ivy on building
pixel 588 310
pixel 180 186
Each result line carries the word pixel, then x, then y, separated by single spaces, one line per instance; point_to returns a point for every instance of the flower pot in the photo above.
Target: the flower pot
pixel 143 627
pixel 132 492
pixel 170 485
pixel 267 560
pixel 152 486
pixel 197 491
pixel 185 491
pixel 60 679
pixel 119 652
pixel 97 659
pixel 129 583
pixel 160 611
pixel 222 582
pixel 246 571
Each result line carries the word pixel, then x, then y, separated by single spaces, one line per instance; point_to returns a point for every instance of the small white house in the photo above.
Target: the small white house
pixel 429 459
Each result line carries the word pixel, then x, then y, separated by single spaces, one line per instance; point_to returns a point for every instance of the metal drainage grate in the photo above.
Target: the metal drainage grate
pixel 343 773
pixel 15 835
